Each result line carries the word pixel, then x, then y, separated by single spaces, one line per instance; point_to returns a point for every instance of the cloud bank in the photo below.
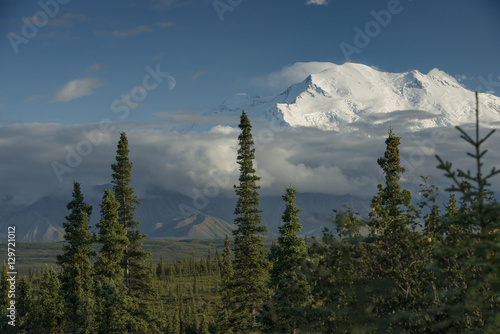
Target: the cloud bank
pixel 309 159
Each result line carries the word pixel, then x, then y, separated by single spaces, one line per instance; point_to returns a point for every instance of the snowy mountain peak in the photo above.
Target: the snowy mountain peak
pixel 345 97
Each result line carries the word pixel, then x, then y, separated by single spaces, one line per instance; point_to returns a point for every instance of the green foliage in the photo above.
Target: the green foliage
pixel 204 326
pixel 227 263
pixel 25 303
pixel 227 272
pixel 113 304
pixel 133 261
pixel 76 275
pixel 50 311
pixel 432 218
pixel 375 282
pixel 249 283
pixel 468 259
pixel 389 206
pixel 286 310
pixel 113 239
pixel 138 275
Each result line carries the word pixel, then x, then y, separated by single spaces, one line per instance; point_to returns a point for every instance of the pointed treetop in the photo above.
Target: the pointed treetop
pixel 77 205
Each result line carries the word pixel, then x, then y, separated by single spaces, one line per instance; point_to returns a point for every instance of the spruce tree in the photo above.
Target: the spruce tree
pixel 292 293
pixel 113 240
pixel 113 302
pixel 471 247
pixel 134 257
pixel 76 274
pixel 391 201
pixel 250 279
pixel 138 275
pixel 398 255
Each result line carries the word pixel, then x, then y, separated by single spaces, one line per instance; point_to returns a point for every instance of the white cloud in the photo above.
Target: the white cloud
pixel 76 88
pixel 125 33
pixel 166 24
pixel 291 74
pixel 318 2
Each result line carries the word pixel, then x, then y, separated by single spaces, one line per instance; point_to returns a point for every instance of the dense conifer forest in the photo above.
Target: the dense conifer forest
pixel 406 268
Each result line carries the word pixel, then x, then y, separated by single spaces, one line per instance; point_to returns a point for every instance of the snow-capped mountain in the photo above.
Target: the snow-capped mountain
pixel 343 97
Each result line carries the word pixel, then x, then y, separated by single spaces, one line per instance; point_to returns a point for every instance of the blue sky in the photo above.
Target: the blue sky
pixel 89 53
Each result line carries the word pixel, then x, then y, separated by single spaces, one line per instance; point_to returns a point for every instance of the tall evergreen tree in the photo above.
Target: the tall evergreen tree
pixel 471 249
pixel 138 274
pixel 133 261
pixel 76 274
pixel 373 283
pixel 398 256
pixel 292 293
pixel 389 205
pixel 251 275
pixel 112 300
